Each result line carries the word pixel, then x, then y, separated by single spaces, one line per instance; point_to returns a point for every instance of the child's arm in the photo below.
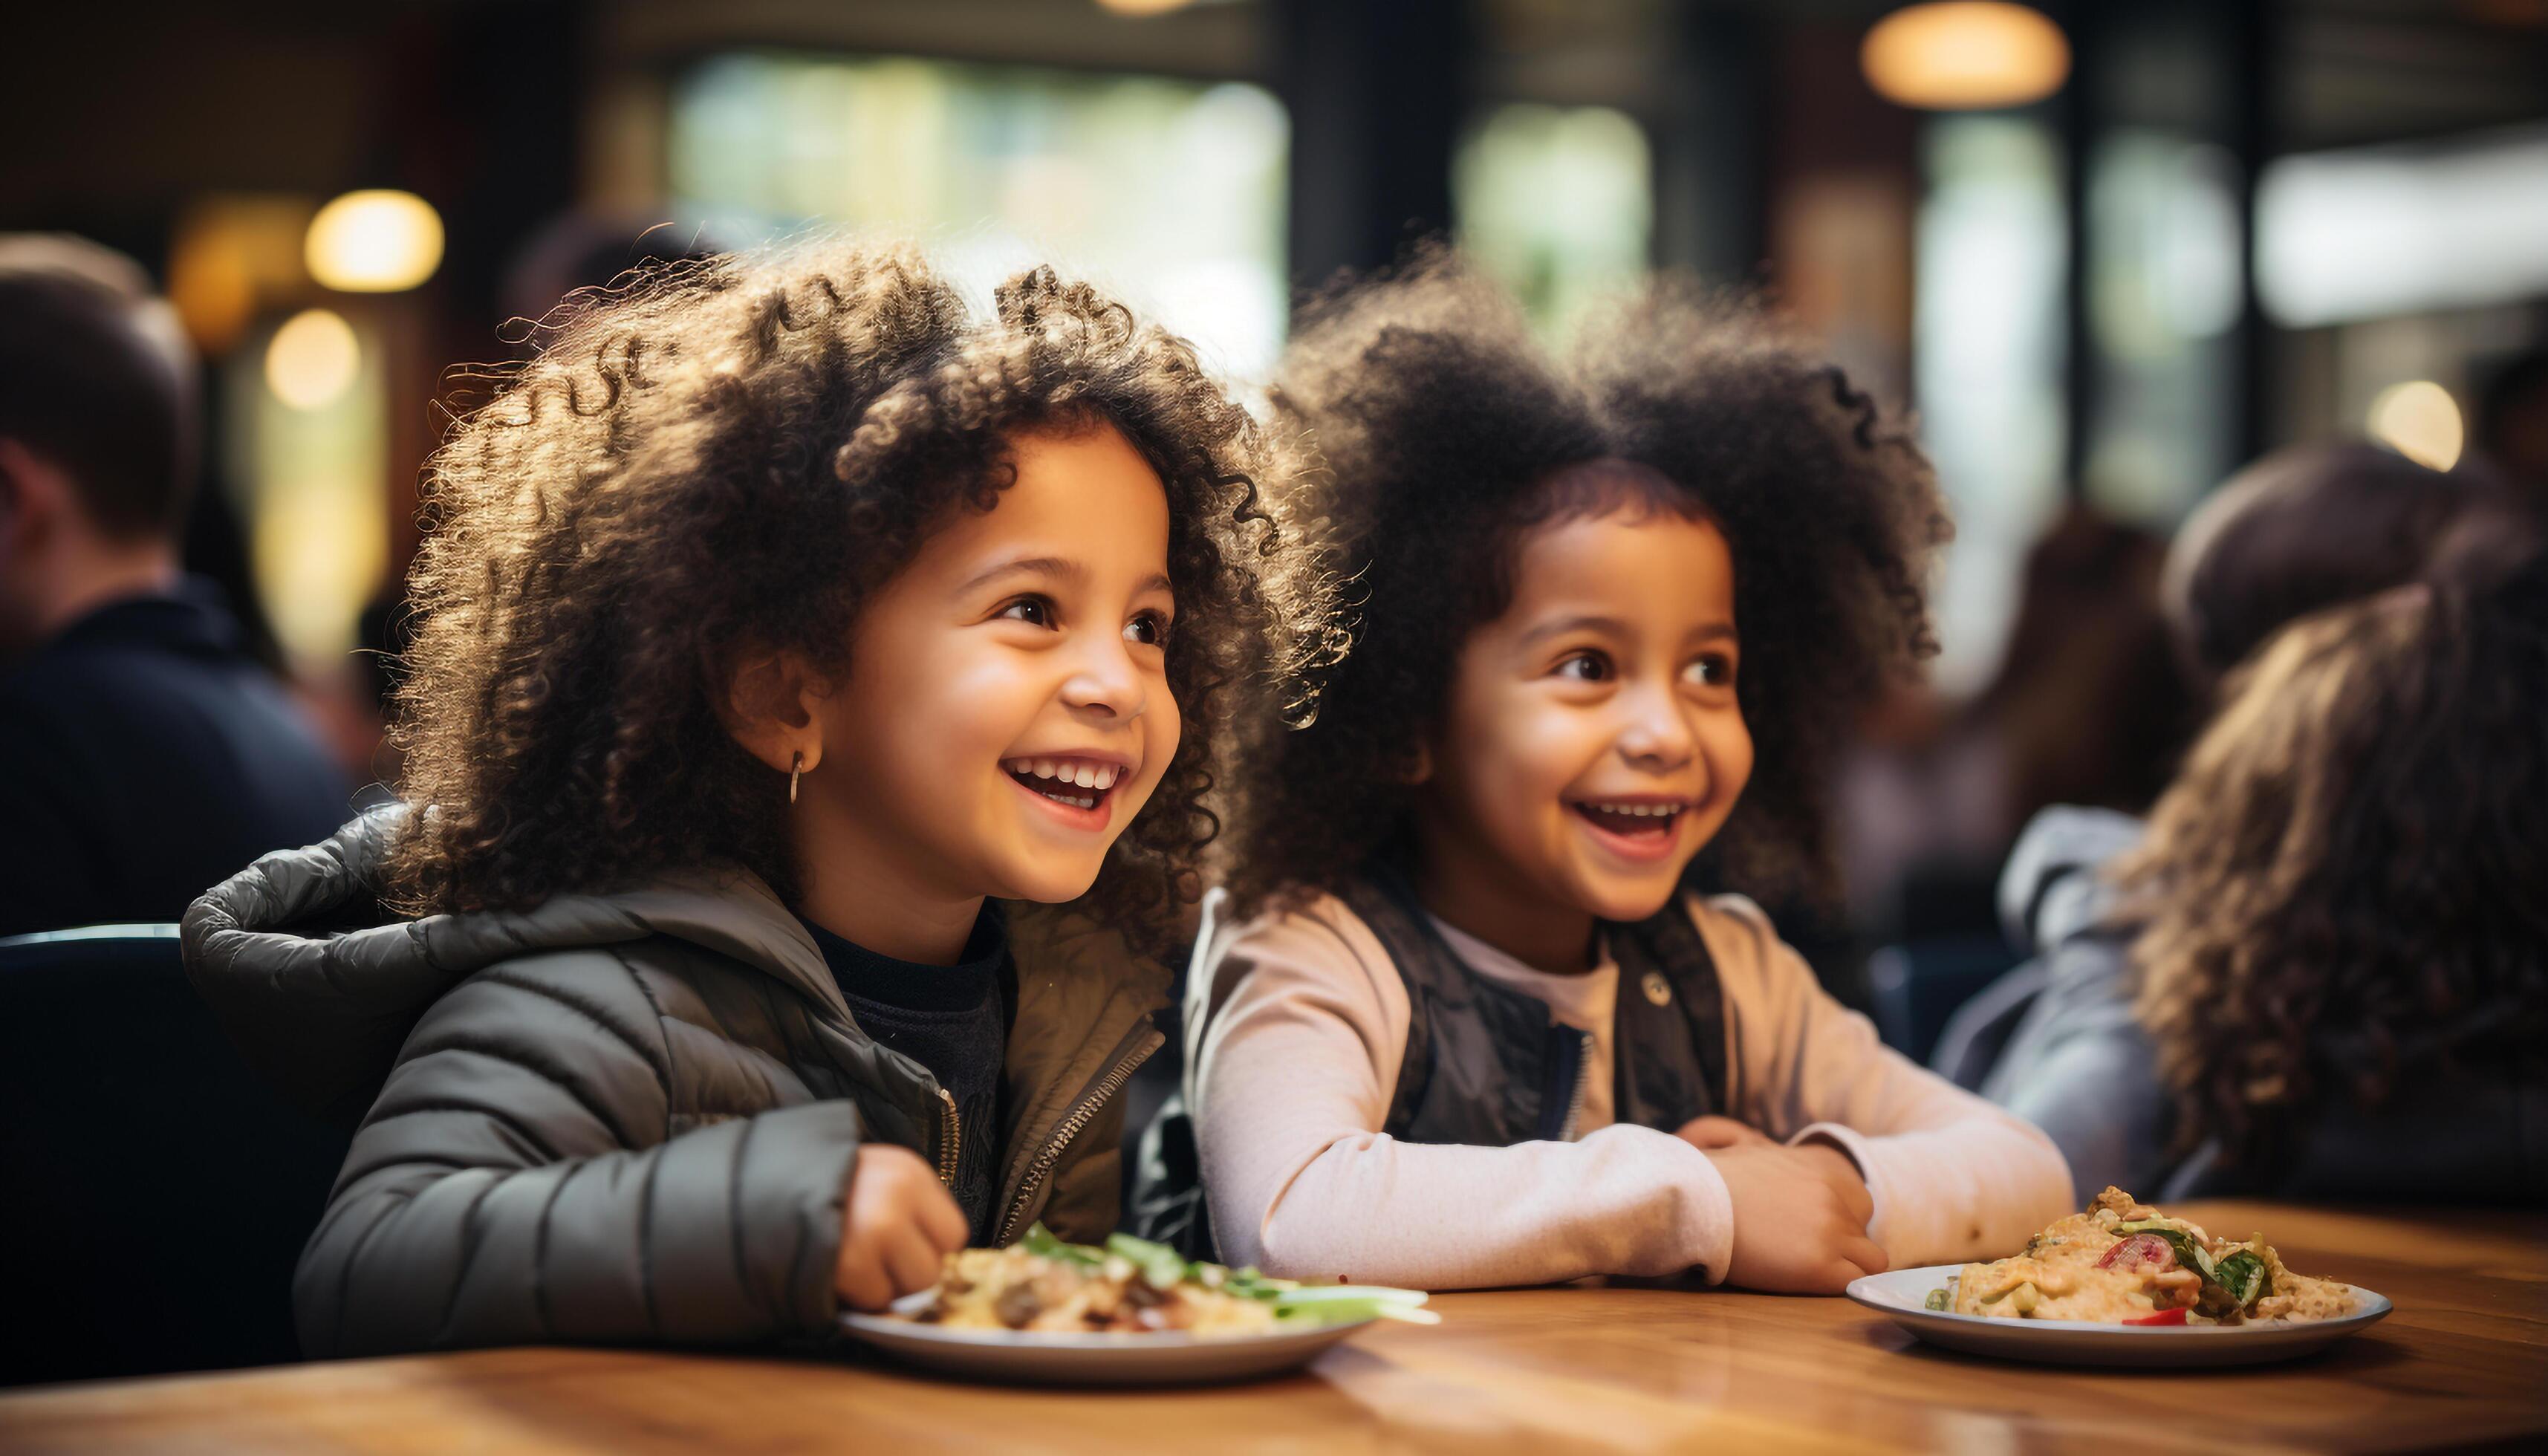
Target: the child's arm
pixel 514 1183
pixel 1954 1177
pixel 1293 1082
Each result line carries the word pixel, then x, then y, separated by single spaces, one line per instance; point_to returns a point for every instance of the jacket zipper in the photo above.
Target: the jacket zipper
pixel 1583 1080
pixel 952 1142
pixel 1080 1117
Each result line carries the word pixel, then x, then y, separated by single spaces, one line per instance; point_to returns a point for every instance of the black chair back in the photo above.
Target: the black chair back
pixel 157 1193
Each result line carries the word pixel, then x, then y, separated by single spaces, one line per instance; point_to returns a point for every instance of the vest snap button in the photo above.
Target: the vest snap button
pixel 1657 990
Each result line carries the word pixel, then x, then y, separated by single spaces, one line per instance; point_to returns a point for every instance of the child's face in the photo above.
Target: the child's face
pixel 1007 708
pixel 1594 743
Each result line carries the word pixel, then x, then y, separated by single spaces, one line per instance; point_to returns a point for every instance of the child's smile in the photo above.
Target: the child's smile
pixel 1641 828
pixel 1077 785
pixel 1592 742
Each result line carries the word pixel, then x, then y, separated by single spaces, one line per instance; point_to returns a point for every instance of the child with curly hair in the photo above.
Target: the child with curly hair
pixel 2340 977
pixel 1464 1016
pixel 778 625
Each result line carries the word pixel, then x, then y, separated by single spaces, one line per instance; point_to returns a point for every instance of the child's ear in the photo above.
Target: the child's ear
pixel 772 708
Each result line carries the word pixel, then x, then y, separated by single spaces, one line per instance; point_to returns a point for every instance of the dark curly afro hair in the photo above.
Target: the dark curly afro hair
pixel 735 455
pixel 1434 432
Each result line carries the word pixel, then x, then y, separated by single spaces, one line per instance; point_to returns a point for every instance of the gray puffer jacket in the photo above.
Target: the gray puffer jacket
pixel 624 1117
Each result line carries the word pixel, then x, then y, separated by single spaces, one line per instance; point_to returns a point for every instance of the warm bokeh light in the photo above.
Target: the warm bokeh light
pixel 377 241
pixel 1965 56
pixel 231 253
pixel 313 359
pixel 2420 421
pixel 1142 7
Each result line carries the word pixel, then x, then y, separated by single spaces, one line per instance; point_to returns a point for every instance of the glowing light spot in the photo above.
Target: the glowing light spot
pixel 313 359
pixel 1965 55
pixel 374 242
pixel 2420 421
pixel 1142 7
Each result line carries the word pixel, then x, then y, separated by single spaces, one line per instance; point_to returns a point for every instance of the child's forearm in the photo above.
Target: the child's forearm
pixel 1374 1209
pixel 725 1233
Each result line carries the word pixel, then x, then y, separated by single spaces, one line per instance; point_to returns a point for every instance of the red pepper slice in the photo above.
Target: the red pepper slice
pixel 2163 1316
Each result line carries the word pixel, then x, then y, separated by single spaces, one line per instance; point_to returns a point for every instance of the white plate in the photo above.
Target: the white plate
pixel 1901 1295
pixel 1161 1357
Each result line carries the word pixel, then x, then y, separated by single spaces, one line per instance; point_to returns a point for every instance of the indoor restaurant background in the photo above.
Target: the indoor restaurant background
pixel 2204 231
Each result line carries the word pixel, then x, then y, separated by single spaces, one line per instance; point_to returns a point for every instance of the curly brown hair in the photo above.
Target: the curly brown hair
pixel 2341 888
pixel 734 456
pixel 1437 432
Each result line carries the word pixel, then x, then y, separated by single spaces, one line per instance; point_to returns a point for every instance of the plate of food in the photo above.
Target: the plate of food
pixel 2123 1284
pixel 1131 1312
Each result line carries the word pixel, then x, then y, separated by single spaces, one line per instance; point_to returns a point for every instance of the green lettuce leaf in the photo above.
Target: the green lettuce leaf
pixel 2244 1275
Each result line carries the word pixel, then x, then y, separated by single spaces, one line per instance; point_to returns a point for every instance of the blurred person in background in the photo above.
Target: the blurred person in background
pixel 2510 434
pixel 2089 706
pixel 2300 530
pixel 2344 967
pixel 145 753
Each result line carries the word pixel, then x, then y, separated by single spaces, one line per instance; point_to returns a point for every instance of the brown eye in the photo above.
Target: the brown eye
pixel 1034 609
pixel 1149 629
pixel 1713 670
pixel 1584 667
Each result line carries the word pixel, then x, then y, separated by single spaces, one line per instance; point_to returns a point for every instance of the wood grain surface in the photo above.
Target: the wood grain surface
pixel 2464 1360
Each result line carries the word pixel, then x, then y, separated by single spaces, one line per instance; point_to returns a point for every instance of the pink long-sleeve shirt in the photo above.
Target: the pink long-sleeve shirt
pixel 1298 1023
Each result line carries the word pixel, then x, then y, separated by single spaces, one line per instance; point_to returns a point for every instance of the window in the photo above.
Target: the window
pixel 1557 204
pixel 1988 350
pixel 1168 193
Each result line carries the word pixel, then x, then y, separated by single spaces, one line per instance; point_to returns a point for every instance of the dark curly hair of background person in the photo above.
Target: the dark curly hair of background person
pixel 2341 893
pixel 1429 420
pixel 735 455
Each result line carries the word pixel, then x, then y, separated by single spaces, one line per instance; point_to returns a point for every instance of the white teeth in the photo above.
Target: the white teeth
pixel 1067 772
pixel 1639 811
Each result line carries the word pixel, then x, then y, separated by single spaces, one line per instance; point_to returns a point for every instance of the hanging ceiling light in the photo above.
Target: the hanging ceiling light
pixel 374 241
pixel 1965 56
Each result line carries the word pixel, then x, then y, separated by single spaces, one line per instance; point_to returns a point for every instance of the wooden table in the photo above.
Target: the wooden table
pixel 2463 1360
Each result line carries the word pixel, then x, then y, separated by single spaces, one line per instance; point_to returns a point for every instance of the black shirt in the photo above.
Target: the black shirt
pixel 950 1020
pixel 145 757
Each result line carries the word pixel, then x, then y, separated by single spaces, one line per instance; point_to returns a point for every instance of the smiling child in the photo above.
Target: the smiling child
pixel 782 622
pixel 1464 1016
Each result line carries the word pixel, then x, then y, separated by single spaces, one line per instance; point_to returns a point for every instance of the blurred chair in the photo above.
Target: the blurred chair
pixel 1977 1031
pixel 1156 1080
pixel 158 1193
pixel 1917 986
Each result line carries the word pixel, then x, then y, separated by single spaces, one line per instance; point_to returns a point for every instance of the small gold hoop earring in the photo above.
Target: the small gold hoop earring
pixel 794 774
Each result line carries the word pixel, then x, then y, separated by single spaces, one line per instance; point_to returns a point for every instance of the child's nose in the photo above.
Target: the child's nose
pixel 1105 681
pixel 1657 736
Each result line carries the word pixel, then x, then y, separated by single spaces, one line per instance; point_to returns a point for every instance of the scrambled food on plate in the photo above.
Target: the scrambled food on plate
pixel 2122 1263
pixel 1135 1286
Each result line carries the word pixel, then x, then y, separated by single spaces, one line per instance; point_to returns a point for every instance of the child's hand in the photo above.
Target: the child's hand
pixel 897 1226
pixel 1711 1132
pixel 1799 1219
